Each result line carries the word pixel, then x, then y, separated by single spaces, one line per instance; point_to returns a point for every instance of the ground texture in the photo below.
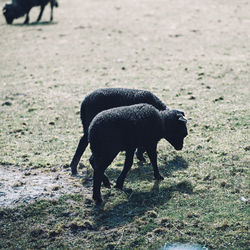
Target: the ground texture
pixel 194 55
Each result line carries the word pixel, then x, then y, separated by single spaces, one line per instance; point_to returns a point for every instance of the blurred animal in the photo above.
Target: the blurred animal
pixel 127 128
pixel 103 99
pixel 19 8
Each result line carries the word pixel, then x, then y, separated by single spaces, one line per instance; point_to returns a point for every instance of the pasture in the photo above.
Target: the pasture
pixel 194 55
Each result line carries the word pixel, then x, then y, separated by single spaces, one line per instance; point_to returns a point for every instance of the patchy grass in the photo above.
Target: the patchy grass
pixel 195 62
pixel 150 215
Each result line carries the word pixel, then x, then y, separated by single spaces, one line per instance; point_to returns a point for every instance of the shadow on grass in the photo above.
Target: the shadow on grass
pixel 178 163
pixel 144 171
pixel 137 204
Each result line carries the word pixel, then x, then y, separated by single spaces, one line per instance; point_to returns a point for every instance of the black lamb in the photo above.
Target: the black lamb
pixel 18 8
pixel 127 128
pixel 103 99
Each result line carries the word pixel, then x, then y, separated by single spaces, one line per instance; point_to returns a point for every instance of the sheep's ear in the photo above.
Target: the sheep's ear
pixel 181 117
pixel 6 6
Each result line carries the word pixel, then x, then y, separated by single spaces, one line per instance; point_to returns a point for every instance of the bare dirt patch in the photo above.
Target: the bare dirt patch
pixel 25 185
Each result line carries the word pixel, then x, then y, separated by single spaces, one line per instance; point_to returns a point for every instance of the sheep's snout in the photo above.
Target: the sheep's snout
pixel 8 12
pixel 178 147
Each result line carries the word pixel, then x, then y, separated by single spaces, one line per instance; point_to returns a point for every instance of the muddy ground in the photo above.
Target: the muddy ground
pixel 170 47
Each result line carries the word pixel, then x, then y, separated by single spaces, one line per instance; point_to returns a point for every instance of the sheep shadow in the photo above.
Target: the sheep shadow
pixel 144 171
pixel 178 163
pixel 137 204
pixel 43 23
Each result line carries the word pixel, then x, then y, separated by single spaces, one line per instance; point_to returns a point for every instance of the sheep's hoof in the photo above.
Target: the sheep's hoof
pixel 140 157
pixel 159 178
pixel 74 173
pixel 98 200
pixel 117 186
pixel 106 184
pixel 73 170
pixel 128 190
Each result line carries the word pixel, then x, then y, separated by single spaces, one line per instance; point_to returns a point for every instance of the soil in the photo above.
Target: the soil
pixel 24 185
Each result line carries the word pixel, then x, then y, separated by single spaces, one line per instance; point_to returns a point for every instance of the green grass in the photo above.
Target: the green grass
pixel 150 215
pixel 199 202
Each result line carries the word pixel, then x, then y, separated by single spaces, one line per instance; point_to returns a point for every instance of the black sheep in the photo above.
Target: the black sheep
pixel 103 99
pixel 18 8
pixel 127 128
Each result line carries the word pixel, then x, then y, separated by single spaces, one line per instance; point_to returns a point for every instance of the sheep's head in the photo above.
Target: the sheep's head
pixel 175 128
pixel 10 12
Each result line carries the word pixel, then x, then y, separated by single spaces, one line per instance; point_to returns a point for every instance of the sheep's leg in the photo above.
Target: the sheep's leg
pixel 83 143
pixel 139 154
pixel 105 180
pixel 41 13
pixel 27 19
pixel 127 166
pixel 152 154
pixel 51 10
pixel 100 165
pixel 98 177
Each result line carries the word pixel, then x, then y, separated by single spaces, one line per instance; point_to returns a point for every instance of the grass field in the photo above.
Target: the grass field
pixel 195 56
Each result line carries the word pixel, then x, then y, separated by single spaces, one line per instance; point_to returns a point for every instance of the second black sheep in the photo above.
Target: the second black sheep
pixel 103 99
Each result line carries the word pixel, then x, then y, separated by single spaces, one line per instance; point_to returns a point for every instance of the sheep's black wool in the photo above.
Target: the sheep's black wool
pixel 103 99
pixel 18 8
pixel 127 128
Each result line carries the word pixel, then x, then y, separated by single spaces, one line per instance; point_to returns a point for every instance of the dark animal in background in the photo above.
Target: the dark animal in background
pixel 127 128
pixel 103 99
pixel 19 8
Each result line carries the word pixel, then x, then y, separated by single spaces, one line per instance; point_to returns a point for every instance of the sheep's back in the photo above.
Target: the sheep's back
pixel 125 127
pixel 103 99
